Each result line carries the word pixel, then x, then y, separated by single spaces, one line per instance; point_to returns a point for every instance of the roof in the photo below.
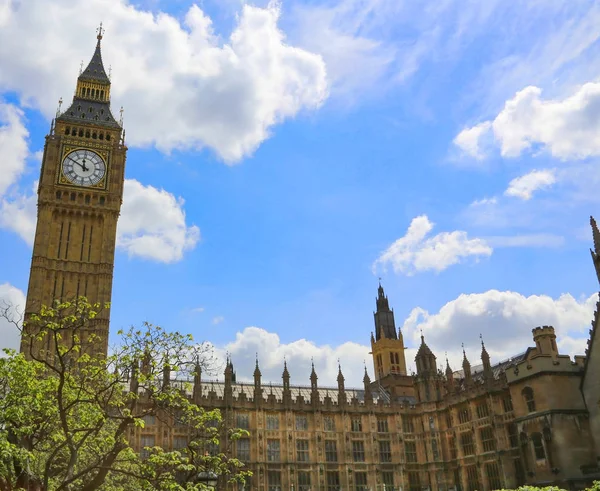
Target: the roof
pixel 498 369
pixel 95 71
pixel 86 111
pixel 277 390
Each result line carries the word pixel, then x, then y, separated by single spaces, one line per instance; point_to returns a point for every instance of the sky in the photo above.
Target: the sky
pixel 284 155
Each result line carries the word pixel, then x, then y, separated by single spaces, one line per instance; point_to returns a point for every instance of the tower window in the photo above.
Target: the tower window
pixel 529 400
pixel 67 130
pixel 80 132
pixel 101 136
pixel 94 136
pixel 102 94
pixel 538 446
pixel 101 111
pixel 87 134
pixel 58 195
pixel 108 136
pixel 101 200
pixel 87 199
pixel 90 109
pixel 78 108
pixel 72 196
pixel 82 115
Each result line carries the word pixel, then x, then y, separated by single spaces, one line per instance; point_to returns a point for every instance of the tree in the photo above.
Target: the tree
pixel 69 419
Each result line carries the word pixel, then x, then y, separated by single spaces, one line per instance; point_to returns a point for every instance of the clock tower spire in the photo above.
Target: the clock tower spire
pixel 79 199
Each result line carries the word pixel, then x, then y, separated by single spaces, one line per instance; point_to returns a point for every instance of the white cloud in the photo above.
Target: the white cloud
pixel 416 252
pixel 218 319
pixel 530 240
pixel 198 310
pixel 13 145
pixel 299 355
pixel 152 224
pixel 524 186
pixel 567 128
pixel 468 140
pixel 14 300
pixel 18 212
pixel 505 319
pixel 182 87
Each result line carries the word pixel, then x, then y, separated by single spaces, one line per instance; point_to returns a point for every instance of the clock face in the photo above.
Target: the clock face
pixel 84 167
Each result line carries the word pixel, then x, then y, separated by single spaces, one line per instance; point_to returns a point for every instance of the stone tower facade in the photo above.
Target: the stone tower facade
pixel 79 198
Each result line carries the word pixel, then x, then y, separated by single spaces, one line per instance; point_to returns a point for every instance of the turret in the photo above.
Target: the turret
pixel 387 344
pixel 257 384
pixel 367 385
pixel 545 341
pixel 285 376
pixel 466 368
pixel 197 390
pixel 341 387
pixel 449 376
pixel 488 373
pixel 596 250
pixel 425 360
pixel 314 389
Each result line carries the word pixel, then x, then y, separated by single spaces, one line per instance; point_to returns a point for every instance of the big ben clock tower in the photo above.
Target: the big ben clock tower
pixel 79 198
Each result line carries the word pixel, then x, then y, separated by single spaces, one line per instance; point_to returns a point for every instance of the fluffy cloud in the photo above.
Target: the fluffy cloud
pixel 152 224
pixel 567 128
pixel 181 85
pixel 13 145
pixel 18 213
pixel 469 140
pixel 505 319
pixel 524 186
pixel 13 300
pixel 299 355
pixel 416 252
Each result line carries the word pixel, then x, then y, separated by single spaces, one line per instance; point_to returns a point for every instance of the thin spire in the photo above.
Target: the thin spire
pixel 60 101
pixel 596 250
pixel 100 31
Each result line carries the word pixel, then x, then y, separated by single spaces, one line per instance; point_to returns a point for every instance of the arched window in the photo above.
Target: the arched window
pixel 538 446
pixel 529 400
pixel 80 132
pixel 67 130
pixel 102 94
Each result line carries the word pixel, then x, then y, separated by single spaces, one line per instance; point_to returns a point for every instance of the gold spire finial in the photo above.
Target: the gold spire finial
pixel 100 32
pixel 121 118
pixel 60 101
pixel 81 67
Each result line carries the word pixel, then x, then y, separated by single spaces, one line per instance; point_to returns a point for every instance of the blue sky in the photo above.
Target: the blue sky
pixel 283 156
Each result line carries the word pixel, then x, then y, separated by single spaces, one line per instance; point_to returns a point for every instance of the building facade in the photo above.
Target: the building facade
pixel 533 419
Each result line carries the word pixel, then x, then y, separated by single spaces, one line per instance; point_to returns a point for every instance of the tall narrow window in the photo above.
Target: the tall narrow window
pixel 361 481
pixel 466 442
pixel 538 446
pixel 529 400
pixel 356 424
pixel 333 481
pixel 388 481
pixel 410 449
pixel 382 424
pixel 274 480
pixel 302 423
pixel 493 474
pixel 328 423
pixel 272 421
pixel 302 450
pixel 243 449
pixel 146 443
pixel 358 451
pixel 385 451
pixel 303 481
pixel 273 451
pixel 330 451
pixel 488 439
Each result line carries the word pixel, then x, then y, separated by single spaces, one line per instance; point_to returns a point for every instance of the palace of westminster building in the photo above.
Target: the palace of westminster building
pixel 534 419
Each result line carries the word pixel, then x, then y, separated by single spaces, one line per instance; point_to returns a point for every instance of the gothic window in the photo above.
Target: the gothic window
pixel 449 419
pixel 303 481
pixel 356 424
pixel 529 400
pixel 94 135
pixel 410 449
pixel 67 131
pixel 102 199
pixel 333 481
pixel 388 481
pixel 101 136
pixel 243 449
pixel 382 424
pixel 431 423
pixel 302 450
pixel 80 132
pixel 72 196
pixel 385 451
pixel 146 443
pixel 408 424
pixel 302 423
pixel 435 450
pixel 472 478
pixel 358 451
pixel 538 446
pixel 328 423
pixel 272 421
pixel 273 450
pixel 58 195
pixel 274 480
pixel 242 421
pixel 361 481
pixel 464 414
pixel 487 439
pixel 513 436
pixel 483 410
pixel 414 481
pixel 149 420
pixel 507 404
pixel 108 136
pixel 330 451
pixel 180 442
pixel 452 445
pixel 467 444
pixel 87 199
pixel 493 475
